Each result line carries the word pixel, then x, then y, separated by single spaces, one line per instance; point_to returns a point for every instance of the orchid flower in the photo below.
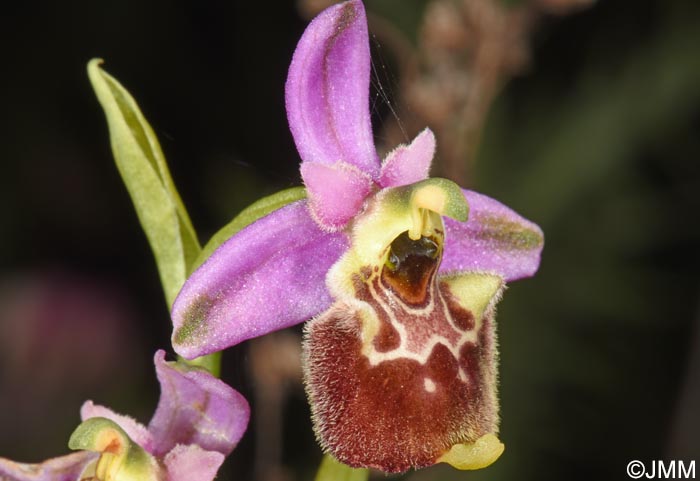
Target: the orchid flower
pixel 399 274
pixel 198 422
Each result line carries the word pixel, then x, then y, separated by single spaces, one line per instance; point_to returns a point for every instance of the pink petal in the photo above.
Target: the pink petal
pixel 63 468
pixel 192 463
pixel 135 430
pixel 196 408
pixel 336 192
pixel 494 239
pixel 268 276
pixel 327 91
pixel 407 164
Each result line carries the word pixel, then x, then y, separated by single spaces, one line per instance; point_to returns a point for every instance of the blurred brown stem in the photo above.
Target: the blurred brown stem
pixel 275 361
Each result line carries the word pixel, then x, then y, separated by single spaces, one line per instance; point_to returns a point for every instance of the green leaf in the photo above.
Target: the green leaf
pixel 333 470
pixel 144 170
pixel 247 216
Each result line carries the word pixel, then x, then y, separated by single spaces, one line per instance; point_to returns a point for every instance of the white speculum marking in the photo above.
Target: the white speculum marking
pixel 414 344
pixel 429 384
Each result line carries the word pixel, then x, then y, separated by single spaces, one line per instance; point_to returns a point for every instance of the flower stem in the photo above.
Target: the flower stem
pixel 333 470
pixel 210 362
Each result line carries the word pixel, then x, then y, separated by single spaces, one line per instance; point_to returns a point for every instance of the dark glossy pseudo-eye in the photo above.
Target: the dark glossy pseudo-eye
pixel 405 249
pixel 409 267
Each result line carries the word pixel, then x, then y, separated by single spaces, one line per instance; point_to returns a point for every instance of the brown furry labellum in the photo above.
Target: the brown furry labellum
pixel 404 369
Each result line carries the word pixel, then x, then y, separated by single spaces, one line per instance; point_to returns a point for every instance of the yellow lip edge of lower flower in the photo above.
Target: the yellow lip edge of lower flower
pixel 479 454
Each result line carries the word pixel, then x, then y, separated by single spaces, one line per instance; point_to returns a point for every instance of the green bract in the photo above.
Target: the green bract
pixel 143 168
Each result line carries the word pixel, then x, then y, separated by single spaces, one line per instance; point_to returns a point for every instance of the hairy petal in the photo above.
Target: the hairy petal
pixel 135 430
pixel 407 164
pixel 494 239
pixel 63 468
pixel 327 90
pixel 196 408
pixel 268 276
pixel 336 192
pixel 187 463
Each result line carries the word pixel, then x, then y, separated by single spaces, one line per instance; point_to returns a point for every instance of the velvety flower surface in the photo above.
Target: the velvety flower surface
pixel 399 273
pixel 198 421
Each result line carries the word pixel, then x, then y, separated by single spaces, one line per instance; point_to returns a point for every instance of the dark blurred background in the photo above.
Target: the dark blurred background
pixel 584 117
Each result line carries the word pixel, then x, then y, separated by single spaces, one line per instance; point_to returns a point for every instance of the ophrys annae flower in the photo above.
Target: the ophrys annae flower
pixel 399 274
